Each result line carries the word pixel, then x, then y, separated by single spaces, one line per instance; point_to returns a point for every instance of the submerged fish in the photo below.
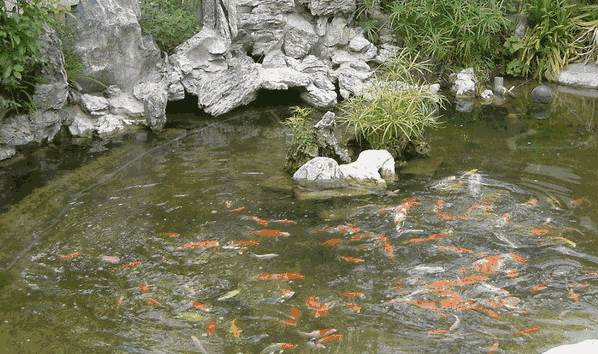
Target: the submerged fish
pixel 350 259
pixel 259 221
pixel 238 210
pixel 271 233
pixel 237 244
pixel 200 306
pixel 285 222
pixel 200 244
pixel 358 294
pixel 432 237
pixel 172 234
pixel 152 301
pixel 278 347
pixel 330 338
pixel 234 329
pixel 456 249
pixel 68 257
pixel 211 327
pixel 333 242
pixel 280 276
pixel 145 287
pixel 294 314
pixel 318 333
pixel 131 265
pixel 319 308
pixel 530 330
pixel 353 306
pixel 538 287
pixel 264 256
pixel 229 295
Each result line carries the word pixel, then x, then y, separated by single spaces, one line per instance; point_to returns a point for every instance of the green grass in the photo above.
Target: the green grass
pixel 303 145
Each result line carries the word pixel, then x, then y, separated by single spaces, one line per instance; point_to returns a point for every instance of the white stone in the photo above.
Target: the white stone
pixel 464 83
pixel 318 170
pixel 589 346
pixel 580 75
pixel 377 166
pixel 94 105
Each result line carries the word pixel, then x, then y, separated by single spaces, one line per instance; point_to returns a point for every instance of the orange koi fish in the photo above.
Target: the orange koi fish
pixel 455 302
pixel 438 331
pixel 424 304
pixel 145 287
pixel 278 347
pixel 201 244
pixel 271 233
pixel 486 311
pixel 333 242
pixel 285 222
pixel 506 218
pixel 171 234
pixel 331 338
pixel 294 314
pixel 320 309
pixel 439 204
pixel 532 201
pixel 492 348
pixel 451 217
pixel 471 279
pixel 238 210
pixel 388 248
pixel 281 276
pixel 353 306
pixel 488 264
pixel 68 257
pixel 453 249
pixel 517 258
pixel 319 333
pixel 540 231
pixel 577 201
pixel 347 229
pixel 259 221
pixel 350 259
pixel 538 287
pixel 530 330
pixel 573 296
pixel 211 327
pixel 198 305
pixel 512 273
pixel 152 301
pixel 131 265
pixel 234 329
pixel 433 237
pixel 358 294
pixel 439 284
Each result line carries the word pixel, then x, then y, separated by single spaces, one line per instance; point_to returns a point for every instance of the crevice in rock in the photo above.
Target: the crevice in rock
pixel 186 105
pixel 290 97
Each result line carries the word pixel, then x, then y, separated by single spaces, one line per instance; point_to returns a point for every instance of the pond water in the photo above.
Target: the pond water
pixel 177 243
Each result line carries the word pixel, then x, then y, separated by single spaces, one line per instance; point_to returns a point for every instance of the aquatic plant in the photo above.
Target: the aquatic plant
pixel 303 145
pixel 170 22
pixel 452 33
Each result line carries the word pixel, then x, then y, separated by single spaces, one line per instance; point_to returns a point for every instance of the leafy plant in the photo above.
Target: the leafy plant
pixel 303 145
pixel 20 28
pixel 452 33
pixel 170 22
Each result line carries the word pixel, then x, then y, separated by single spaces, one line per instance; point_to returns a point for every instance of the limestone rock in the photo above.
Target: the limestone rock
pixel 580 75
pixel 372 166
pixel 464 83
pixel 52 92
pixel 586 346
pixel 300 36
pixel 80 124
pixel 328 146
pixel 126 104
pixel 542 94
pixel 320 171
pixel 386 52
pixel 94 105
pixel 155 109
pixel 487 95
pixel 331 7
pixel 110 44
pixel 282 78
pixel 109 124
pixel 205 51
pixel 24 129
pixel 6 152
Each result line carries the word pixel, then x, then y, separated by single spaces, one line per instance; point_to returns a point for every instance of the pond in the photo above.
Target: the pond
pixel 193 240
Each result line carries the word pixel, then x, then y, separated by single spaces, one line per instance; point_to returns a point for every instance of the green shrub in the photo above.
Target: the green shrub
pixel 170 22
pixel 72 62
pixel 452 33
pixel 20 29
pixel 394 114
pixel 303 145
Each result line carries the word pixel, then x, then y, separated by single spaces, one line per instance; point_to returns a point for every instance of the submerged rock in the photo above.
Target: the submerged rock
pixel 464 83
pixel 581 75
pixel 6 152
pixel 542 94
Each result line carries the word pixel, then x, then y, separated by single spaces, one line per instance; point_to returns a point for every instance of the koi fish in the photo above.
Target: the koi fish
pixel 492 348
pixel 350 259
pixel 228 204
pixel 285 294
pixel 438 331
pixel 540 231
pixel 486 311
pixel 319 333
pixel 358 294
pixel 294 314
pixel 530 330
pixel 171 234
pixel 152 301
pixel 512 273
pixel 451 217
pixel 278 347
pixel 331 338
pixel 234 329
pixel 424 304
pixel 388 248
pixel 333 242
pixel 440 204
pixel 145 287
pixel 211 327
pixel 198 305
pixel 532 202
pixel 236 244
pixel 271 233
pixel 573 296
pixel 110 259
pixel 347 229
pixel 238 210
pixel 320 309
pixel 131 265
pixel 517 258
pixel 200 244
pixel 68 257
pixel 285 222
pixel 257 220
pixel 453 249
pixel 433 237
pixel 281 276
pixel 264 256
pixel 577 202
pixel 489 264
pixel 471 279
pixel 506 218
pixel 353 306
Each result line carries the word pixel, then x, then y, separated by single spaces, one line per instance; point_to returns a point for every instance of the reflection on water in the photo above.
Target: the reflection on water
pixel 194 241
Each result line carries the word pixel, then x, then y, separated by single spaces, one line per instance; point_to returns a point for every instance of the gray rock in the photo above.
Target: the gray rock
pixel 109 124
pixel 110 44
pixel 221 16
pixel 52 92
pixel 580 75
pixel 328 146
pixel 282 78
pixel 6 152
pixel 337 32
pixel 205 51
pixel 126 104
pixel 331 7
pixel 386 52
pixel 359 43
pixel 36 127
pixel 45 124
pixel 300 36
pixel 542 94
pixel 320 171
pixel 94 105
pixel 464 83
pixel 263 24
pixel 155 109
pixel 80 124
pixel 319 98
pixel 371 167
pixel 487 95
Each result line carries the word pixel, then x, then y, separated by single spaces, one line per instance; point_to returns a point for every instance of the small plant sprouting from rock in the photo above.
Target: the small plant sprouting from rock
pixel 397 110
pixel 170 22
pixel 303 145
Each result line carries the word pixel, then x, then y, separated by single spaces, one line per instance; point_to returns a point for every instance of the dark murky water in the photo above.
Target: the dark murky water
pixel 497 244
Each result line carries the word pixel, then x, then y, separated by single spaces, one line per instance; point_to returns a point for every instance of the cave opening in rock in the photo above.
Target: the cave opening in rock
pixel 290 97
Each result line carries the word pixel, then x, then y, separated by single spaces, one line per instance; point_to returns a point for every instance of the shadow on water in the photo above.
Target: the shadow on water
pixel 491 240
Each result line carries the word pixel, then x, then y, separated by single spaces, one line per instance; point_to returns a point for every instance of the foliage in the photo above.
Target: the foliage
pixel 452 33
pixel 366 14
pixel 170 22
pixel 559 32
pixel 394 114
pixel 20 29
pixel 303 144
pixel 72 62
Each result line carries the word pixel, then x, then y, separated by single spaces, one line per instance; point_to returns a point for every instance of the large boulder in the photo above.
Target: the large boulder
pixel 331 7
pixel 372 166
pixel 110 44
pixel 52 91
pixel 464 83
pixel 320 172
pixel 542 94
pixel 580 75
pixel 586 346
